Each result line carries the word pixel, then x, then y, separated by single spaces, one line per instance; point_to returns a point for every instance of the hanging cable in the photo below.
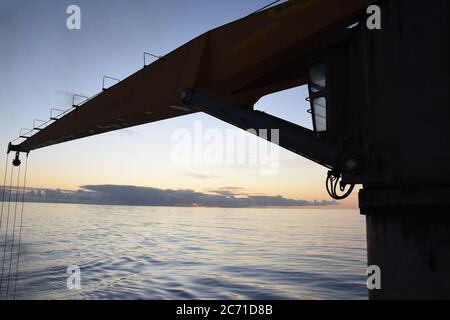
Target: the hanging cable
pixel 20 227
pixel 6 229
pixel 333 180
pixel 13 234
pixel 3 191
pixel 3 197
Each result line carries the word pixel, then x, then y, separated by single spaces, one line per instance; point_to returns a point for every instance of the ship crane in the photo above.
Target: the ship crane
pixel 227 68
pixel 379 104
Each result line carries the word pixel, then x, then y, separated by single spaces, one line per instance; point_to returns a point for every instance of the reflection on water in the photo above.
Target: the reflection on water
pixel 184 253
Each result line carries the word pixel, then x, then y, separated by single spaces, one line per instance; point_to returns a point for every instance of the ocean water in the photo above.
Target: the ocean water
pixel 188 253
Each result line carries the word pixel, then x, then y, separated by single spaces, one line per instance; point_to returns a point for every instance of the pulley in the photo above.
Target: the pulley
pixel 16 162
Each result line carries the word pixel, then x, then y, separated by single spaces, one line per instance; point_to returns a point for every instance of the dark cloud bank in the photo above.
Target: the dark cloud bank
pixel 230 197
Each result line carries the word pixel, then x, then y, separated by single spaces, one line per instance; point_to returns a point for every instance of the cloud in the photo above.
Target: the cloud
pixel 200 176
pixel 228 191
pixel 145 196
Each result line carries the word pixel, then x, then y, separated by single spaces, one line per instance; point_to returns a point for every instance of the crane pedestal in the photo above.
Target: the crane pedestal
pixel 408 238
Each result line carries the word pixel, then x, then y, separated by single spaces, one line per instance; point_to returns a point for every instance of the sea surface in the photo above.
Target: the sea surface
pixel 186 253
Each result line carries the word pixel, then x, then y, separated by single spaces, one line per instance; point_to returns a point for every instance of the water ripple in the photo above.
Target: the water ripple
pixel 186 253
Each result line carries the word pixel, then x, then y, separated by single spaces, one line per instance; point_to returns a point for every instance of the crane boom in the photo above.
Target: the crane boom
pixel 237 63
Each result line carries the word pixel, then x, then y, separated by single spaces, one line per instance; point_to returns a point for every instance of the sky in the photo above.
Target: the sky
pixel 43 63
